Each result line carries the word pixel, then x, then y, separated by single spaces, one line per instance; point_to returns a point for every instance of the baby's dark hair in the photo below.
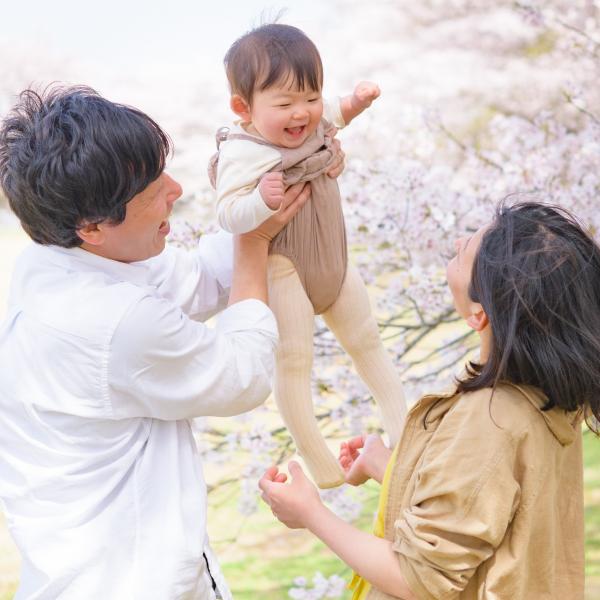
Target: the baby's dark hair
pixel 272 54
pixel 537 276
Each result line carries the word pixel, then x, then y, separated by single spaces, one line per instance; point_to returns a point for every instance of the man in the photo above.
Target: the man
pixel 105 358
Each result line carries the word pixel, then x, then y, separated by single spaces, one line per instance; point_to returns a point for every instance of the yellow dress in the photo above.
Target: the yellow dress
pixel 361 586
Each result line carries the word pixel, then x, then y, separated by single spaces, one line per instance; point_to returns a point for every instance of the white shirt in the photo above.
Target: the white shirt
pixel 102 366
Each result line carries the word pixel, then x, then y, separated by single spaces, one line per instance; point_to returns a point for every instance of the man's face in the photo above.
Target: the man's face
pixel 143 232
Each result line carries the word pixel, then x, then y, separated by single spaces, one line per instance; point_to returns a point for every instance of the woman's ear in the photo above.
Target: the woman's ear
pixel 240 107
pixel 477 320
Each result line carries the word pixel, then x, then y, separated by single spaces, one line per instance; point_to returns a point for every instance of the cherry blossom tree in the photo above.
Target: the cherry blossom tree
pixel 529 129
pixel 483 101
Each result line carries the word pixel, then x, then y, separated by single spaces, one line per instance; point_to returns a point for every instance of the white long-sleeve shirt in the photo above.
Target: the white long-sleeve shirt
pixel 240 207
pixel 103 364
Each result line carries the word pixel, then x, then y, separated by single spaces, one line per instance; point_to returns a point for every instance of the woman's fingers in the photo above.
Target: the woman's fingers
pixel 357 442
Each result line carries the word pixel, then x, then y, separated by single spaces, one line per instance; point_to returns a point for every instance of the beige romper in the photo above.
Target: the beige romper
pixel 315 239
pixel 309 274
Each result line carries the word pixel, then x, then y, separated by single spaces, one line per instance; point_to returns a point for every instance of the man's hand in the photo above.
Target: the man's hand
pixel 271 189
pixel 294 198
pixel 364 457
pixel 295 503
pixel 338 166
pixel 251 249
pixel 364 94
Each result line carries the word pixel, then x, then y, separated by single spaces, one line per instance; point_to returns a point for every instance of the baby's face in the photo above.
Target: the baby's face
pixel 286 116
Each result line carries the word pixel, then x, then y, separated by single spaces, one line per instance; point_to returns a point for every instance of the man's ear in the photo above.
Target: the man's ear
pixel 478 320
pixel 91 233
pixel 240 107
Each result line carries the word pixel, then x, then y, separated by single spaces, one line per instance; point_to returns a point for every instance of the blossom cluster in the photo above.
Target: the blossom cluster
pixel 320 587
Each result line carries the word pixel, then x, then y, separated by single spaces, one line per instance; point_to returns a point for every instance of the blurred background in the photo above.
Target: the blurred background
pixel 480 100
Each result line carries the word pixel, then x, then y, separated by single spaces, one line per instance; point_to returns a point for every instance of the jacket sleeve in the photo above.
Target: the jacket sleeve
pixel 464 500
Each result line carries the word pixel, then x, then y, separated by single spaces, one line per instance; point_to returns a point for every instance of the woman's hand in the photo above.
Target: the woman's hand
pixel 294 503
pixel 364 457
pixel 298 505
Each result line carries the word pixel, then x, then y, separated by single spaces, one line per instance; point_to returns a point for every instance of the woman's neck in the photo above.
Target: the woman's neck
pixel 485 345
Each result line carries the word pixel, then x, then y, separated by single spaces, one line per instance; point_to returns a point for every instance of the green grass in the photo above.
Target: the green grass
pixel 591 452
pixel 252 577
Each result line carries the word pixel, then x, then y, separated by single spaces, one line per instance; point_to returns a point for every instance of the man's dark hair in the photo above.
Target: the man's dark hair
pixel 537 276
pixel 69 156
pixel 272 54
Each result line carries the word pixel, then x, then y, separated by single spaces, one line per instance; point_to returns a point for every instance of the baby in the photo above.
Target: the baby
pixel 284 136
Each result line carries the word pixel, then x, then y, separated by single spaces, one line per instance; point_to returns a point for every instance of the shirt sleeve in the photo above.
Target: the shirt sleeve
pixel 199 280
pixel 332 111
pixel 166 366
pixel 462 504
pixel 240 207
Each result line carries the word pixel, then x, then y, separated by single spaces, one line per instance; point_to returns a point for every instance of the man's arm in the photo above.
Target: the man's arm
pixel 164 365
pixel 198 280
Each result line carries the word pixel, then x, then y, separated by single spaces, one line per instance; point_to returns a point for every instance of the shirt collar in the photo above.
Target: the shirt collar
pixel 137 273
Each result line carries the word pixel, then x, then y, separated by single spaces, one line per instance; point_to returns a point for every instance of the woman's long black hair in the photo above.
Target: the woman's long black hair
pixel 537 276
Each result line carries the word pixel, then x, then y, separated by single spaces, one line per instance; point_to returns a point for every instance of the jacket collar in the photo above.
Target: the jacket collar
pixel 562 424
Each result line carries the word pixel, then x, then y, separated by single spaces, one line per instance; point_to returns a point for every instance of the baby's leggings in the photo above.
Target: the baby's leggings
pixel 351 321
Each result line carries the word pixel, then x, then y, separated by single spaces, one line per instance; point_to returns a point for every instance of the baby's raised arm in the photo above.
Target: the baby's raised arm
pixel 364 93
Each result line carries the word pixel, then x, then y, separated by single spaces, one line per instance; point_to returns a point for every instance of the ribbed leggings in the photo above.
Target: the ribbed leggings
pixel 351 321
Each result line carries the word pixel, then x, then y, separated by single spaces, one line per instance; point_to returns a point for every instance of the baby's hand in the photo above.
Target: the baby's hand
pixel 271 189
pixel 364 94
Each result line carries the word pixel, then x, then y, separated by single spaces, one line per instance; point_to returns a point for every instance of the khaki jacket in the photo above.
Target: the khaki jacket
pixel 486 501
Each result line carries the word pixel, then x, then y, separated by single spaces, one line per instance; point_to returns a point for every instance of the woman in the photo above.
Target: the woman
pixel 483 496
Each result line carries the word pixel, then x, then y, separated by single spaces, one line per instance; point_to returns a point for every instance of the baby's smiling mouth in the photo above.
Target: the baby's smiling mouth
pixel 295 131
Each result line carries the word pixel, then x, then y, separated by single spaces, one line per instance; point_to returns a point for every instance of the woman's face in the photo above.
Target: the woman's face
pixel 459 271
